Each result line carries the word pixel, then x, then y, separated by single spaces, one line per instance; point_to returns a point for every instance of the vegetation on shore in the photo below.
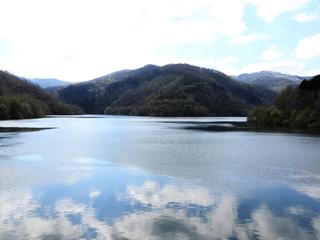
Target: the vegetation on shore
pixel 295 107
pixel 21 99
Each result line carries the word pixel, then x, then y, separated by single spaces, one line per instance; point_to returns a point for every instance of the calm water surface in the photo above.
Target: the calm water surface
pixel 150 178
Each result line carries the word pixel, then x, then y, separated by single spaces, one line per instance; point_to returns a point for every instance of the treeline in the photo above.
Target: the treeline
pixel 22 99
pixel 297 107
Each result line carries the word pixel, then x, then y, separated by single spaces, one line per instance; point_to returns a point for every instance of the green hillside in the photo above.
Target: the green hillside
pixel 171 90
pixel 22 99
pixel 297 107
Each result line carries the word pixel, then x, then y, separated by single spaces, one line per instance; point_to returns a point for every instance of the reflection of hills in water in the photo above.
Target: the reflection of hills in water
pixel 108 202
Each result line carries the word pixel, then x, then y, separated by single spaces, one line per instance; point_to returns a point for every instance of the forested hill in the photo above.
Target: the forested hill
pixel 22 99
pixel 295 107
pixel 171 90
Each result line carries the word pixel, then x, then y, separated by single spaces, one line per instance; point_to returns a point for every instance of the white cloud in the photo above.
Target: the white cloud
pixel 241 39
pixel 316 226
pixel 94 193
pixel 151 193
pixel 284 66
pixel 311 191
pixel 306 17
pixel 221 223
pixel 298 210
pixel 19 219
pixel 272 227
pixel 79 40
pixel 227 66
pixel 308 47
pixel 271 9
pixel 227 60
pixel 312 72
pixel 224 64
pixel 272 53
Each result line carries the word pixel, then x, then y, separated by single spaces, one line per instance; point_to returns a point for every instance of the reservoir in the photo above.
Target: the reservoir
pixel 108 177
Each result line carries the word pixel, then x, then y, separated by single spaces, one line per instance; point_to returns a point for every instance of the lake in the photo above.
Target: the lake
pixel 105 177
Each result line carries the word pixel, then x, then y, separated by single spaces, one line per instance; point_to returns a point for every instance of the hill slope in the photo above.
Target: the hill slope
pixel 273 80
pixel 297 107
pixel 48 82
pixel 171 90
pixel 22 99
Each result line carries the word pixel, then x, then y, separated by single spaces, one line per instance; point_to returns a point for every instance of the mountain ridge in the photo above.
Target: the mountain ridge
pixel 275 81
pixel 48 82
pixel 170 90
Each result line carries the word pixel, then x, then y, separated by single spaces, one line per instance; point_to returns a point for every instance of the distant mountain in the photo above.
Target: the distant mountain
pixel 171 90
pixel 21 99
pixel 48 82
pixel 273 80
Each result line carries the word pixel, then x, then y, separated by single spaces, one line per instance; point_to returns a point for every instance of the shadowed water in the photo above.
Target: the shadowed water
pixel 97 177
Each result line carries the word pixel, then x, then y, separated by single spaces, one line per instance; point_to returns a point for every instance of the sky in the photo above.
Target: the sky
pixel 77 40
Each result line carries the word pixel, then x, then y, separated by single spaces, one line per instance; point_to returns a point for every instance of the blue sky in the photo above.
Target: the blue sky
pixel 78 40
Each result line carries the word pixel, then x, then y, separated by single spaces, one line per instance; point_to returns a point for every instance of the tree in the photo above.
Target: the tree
pixel 4 111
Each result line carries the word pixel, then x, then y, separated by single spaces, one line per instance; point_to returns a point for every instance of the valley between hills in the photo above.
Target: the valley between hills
pixel 174 90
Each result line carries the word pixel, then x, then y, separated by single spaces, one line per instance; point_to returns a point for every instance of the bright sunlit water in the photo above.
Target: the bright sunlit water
pixel 95 177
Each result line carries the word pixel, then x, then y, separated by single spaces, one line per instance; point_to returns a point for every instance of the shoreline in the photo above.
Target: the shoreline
pixel 228 126
pixel 23 129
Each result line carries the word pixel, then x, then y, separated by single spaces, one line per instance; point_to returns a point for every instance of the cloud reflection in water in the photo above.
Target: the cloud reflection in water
pixel 115 203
